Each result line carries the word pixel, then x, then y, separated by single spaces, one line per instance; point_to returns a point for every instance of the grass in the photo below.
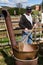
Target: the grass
pixel 4 40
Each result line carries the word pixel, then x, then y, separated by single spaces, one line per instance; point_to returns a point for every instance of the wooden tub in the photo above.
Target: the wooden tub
pixel 24 54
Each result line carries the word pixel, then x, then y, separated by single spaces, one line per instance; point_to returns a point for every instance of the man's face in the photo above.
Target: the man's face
pixel 29 12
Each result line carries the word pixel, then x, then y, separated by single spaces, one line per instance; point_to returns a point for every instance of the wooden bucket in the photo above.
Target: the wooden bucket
pixel 26 54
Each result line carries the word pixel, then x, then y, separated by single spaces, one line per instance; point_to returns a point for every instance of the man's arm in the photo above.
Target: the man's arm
pixel 21 22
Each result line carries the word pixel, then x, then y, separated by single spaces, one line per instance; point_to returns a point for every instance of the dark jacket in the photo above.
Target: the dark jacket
pixel 24 23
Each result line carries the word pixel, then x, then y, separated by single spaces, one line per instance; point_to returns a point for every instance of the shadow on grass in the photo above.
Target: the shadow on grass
pixel 8 59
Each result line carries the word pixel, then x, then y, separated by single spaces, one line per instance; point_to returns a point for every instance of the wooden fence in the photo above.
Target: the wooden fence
pixel 15 24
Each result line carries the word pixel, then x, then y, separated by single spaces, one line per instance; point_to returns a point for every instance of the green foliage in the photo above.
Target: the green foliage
pixel 22 11
pixel 35 12
pixel 18 11
pixel 11 11
pixel 4 40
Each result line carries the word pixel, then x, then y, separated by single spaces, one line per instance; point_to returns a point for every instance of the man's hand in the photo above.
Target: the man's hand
pixel 27 30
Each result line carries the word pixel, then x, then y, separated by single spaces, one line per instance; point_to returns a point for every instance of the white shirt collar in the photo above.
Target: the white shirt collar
pixel 29 18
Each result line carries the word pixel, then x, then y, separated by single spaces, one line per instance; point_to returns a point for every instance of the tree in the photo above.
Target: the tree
pixel 19 5
pixel 42 4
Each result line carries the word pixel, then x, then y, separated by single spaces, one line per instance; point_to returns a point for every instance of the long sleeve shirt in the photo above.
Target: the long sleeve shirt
pixel 25 23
